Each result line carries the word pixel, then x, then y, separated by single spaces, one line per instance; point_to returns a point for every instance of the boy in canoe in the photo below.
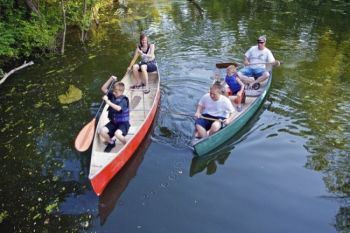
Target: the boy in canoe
pixel 214 110
pixel 118 114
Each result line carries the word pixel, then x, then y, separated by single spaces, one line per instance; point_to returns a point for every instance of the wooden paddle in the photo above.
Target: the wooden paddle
pixel 227 64
pixel 212 119
pixel 189 115
pixel 265 63
pixel 86 134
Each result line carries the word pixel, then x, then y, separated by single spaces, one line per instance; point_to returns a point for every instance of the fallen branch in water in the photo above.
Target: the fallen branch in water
pixel 6 75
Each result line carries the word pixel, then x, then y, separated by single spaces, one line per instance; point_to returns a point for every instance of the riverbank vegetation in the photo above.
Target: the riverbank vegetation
pixel 32 28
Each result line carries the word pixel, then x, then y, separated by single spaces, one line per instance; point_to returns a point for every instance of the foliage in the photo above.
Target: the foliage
pixel 33 27
pixel 3 216
pixel 25 29
pixel 36 34
pixel 75 14
pixel 6 41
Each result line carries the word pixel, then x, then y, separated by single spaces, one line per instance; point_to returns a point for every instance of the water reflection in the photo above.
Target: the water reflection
pixel 211 161
pixel 110 196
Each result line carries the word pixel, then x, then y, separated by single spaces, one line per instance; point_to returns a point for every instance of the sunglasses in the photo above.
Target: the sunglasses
pixel 261 42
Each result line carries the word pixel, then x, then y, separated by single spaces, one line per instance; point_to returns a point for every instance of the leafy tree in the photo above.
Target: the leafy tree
pixel 34 26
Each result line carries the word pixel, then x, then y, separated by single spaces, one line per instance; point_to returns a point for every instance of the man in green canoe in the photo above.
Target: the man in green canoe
pixel 255 60
pixel 214 111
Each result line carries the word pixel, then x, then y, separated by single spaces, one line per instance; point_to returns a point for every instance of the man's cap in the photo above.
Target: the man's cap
pixel 262 39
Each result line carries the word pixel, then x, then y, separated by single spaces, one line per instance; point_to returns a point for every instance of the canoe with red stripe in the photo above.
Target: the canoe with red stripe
pixel 104 166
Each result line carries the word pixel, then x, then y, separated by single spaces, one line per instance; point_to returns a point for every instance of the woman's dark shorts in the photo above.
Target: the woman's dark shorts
pixel 151 66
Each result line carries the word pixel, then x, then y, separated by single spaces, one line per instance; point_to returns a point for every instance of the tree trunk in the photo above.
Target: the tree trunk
pixel 82 30
pixel 64 27
pixel 94 11
pixel 32 6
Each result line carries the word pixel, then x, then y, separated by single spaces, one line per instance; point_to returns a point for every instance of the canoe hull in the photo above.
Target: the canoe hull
pixel 100 181
pixel 209 144
pixel 104 166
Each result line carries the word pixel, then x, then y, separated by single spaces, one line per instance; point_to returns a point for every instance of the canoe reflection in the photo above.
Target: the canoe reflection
pixel 209 162
pixel 110 196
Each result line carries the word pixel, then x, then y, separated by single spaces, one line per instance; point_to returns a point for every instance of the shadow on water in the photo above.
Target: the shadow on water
pixel 110 196
pixel 211 160
pixel 107 201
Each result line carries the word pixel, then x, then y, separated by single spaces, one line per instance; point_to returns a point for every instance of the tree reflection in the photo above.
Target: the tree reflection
pixel 311 35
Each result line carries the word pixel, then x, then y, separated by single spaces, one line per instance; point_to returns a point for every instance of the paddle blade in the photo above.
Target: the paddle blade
pixel 85 136
pixel 225 65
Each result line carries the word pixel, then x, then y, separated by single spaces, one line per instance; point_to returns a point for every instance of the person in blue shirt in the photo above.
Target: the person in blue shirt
pixel 236 86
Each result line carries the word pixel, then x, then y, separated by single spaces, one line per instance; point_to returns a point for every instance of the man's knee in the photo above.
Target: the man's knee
pixel 215 126
pixel 266 74
pixel 199 127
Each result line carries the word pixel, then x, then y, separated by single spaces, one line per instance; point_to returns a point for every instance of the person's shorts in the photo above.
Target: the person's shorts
pixel 252 72
pixel 151 66
pixel 112 127
pixel 206 124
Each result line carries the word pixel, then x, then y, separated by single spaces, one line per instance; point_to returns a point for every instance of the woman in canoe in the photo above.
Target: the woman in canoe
pixel 147 63
pixel 214 110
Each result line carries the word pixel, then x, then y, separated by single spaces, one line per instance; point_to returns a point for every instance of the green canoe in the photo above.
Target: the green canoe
pixel 254 100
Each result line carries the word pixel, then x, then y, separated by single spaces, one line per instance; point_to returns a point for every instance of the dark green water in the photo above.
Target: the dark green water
pixel 288 171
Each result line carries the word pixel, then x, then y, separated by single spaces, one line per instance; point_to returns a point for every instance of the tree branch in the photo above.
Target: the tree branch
pixel 25 64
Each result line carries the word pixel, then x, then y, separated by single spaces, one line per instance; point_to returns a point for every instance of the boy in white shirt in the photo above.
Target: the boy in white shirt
pixel 213 105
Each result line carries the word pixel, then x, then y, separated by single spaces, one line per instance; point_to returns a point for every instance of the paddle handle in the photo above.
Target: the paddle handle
pixel 190 115
pixel 108 90
pixel 99 109
pixel 265 63
pixel 86 134
pixel 212 119
pixel 226 64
